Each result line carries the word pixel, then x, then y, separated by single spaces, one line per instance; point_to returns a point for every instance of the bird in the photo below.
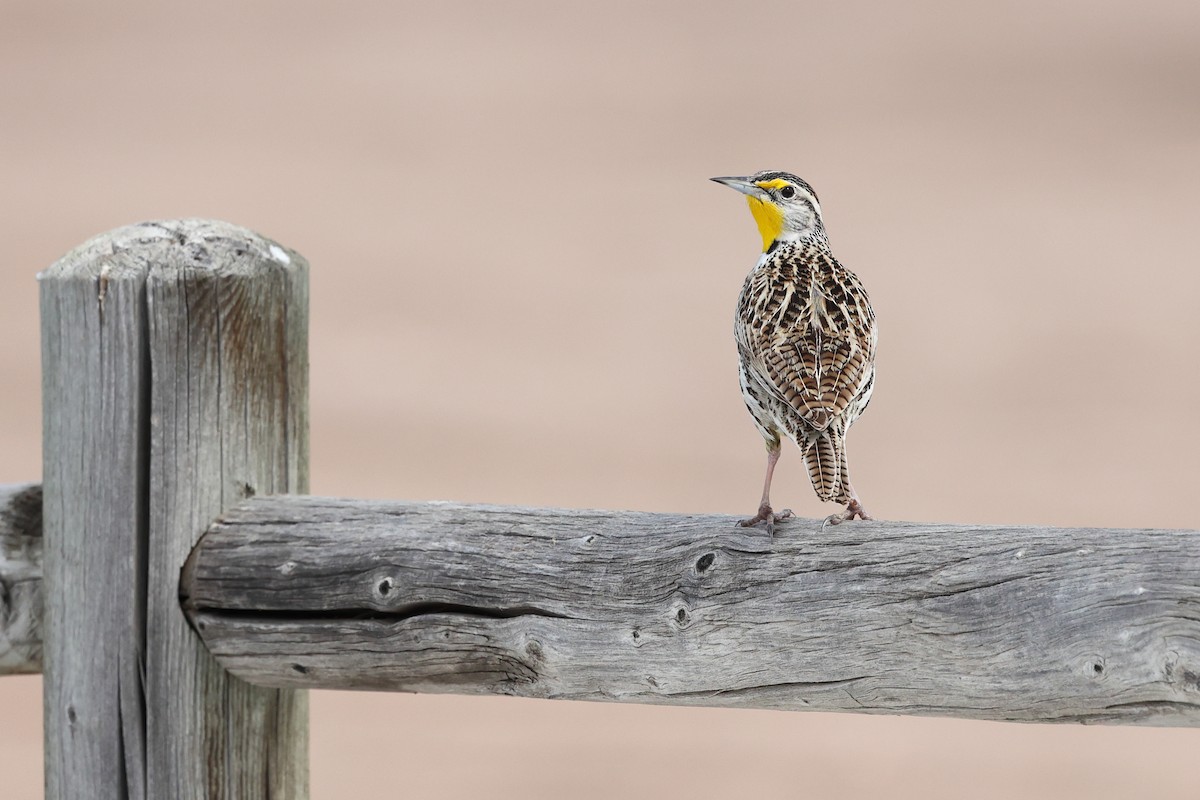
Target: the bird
pixel 806 339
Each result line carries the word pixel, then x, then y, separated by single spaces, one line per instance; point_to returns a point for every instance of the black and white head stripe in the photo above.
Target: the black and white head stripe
pixel 774 175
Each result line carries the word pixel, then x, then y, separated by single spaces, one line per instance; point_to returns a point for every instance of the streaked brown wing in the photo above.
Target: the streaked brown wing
pixel 811 339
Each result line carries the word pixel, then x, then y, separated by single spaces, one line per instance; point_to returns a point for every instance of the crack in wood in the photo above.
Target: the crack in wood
pixel 768 687
pixel 401 613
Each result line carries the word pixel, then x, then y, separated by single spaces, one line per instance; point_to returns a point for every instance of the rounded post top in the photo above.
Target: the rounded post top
pixel 130 252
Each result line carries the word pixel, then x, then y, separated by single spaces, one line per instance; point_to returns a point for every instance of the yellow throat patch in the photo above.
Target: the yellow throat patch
pixel 769 219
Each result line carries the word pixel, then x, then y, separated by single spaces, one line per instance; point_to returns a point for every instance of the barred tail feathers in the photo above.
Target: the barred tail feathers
pixel 825 457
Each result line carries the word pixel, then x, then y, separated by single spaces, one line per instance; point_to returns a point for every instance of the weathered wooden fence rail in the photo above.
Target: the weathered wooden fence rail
pixel 176 649
pixel 1035 624
pixel 1005 623
pixel 20 579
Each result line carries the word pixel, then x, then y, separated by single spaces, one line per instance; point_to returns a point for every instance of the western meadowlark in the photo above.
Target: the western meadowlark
pixel 806 341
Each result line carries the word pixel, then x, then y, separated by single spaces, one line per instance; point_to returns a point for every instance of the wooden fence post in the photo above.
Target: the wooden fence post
pixel 175 383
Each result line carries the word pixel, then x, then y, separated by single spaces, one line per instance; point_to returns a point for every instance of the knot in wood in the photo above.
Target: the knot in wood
pixel 681 617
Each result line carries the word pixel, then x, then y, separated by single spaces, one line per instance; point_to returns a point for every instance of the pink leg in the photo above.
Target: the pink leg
pixel 765 514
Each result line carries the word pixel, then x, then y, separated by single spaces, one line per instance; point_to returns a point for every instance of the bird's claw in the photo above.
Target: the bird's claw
pixel 853 509
pixel 765 514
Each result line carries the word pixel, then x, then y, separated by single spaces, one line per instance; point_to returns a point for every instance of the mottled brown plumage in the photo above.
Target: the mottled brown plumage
pixel 806 341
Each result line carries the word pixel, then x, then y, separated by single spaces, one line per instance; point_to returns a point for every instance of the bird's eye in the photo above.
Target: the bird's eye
pixel 787 192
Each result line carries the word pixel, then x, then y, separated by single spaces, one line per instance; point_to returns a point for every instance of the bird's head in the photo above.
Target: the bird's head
pixel 784 206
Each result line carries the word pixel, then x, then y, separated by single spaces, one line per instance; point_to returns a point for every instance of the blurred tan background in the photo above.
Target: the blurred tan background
pixel 523 285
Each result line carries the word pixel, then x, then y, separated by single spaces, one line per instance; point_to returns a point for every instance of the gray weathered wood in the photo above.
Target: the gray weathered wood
pixel 228 338
pixel 1001 623
pixel 20 578
pixel 175 364
pixel 94 419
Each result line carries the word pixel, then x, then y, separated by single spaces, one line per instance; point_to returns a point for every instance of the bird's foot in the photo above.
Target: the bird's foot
pixel 853 509
pixel 765 514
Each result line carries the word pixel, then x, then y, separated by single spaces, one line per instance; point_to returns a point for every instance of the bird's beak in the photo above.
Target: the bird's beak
pixel 743 185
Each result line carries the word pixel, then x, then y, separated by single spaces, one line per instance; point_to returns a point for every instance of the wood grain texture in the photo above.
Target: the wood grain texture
pixel 175 382
pixel 20 578
pixel 227 336
pixel 999 623
pixel 94 418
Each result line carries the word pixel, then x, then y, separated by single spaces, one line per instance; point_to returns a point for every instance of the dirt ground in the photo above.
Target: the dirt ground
pixel 523 285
